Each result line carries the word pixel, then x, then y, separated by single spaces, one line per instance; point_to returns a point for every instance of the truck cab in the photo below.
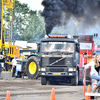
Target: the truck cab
pixel 59 59
pixel 87 47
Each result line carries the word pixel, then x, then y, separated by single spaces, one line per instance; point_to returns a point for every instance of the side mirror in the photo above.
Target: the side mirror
pixel 38 47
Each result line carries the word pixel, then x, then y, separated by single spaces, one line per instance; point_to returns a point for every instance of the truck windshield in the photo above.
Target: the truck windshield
pixel 86 46
pixel 57 46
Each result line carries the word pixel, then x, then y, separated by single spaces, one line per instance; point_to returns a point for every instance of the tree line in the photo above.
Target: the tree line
pixel 28 25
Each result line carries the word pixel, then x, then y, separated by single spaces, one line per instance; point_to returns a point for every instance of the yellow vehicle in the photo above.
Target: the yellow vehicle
pixel 7 49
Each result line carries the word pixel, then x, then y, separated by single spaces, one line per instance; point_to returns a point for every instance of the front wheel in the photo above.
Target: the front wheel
pixel 32 68
pixel 43 81
pixel 74 80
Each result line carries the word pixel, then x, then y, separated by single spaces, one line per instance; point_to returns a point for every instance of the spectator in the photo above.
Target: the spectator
pixel 95 66
pixel 14 62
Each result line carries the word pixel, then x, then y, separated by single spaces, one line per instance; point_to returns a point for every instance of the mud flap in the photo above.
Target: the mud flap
pixel 81 75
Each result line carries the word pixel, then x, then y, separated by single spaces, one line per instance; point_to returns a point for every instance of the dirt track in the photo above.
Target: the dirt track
pixel 26 89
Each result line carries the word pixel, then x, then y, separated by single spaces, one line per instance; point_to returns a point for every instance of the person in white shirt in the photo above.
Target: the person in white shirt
pixel 95 66
pixel 14 62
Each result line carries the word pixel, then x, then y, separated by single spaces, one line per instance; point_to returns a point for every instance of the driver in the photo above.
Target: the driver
pixel 69 47
pixel 48 47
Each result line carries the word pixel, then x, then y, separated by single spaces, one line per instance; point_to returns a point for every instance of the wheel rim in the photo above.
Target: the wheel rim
pixel 32 68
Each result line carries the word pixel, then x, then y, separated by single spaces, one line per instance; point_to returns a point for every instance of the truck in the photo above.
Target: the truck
pixel 87 47
pixel 59 59
pixel 87 51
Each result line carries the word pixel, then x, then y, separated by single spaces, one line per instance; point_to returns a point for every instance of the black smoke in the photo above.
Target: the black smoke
pixel 59 12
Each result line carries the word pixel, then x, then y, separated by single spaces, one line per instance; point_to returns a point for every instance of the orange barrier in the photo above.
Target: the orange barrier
pixel 8 96
pixel 88 91
pixel 84 82
pixel 53 94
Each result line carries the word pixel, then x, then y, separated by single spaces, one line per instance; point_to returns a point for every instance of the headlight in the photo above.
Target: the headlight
pixel 69 36
pixel 70 74
pixel 74 69
pixel 43 73
pixel 70 69
pixel 43 69
pixel 43 55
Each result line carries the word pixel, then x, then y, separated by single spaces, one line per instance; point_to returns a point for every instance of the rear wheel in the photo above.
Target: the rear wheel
pixel 74 80
pixel 32 67
pixel 43 81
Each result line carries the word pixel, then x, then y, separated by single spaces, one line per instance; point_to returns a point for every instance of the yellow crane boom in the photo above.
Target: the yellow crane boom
pixel 6 47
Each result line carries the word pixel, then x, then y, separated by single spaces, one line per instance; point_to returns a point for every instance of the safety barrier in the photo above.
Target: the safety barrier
pixel 8 96
pixel 85 81
pixel 53 94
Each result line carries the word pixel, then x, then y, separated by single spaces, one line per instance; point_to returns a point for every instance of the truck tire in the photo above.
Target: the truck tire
pixel 43 81
pixel 74 80
pixel 32 66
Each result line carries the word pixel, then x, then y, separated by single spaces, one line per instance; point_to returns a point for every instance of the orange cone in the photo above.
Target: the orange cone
pixel 53 94
pixel 8 95
pixel 88 91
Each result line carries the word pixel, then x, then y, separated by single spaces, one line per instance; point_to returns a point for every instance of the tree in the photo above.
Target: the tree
pixel 19 19
pixel 28 25
pixel 35 30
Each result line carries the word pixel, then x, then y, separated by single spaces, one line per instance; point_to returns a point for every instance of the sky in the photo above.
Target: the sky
pixel 33 4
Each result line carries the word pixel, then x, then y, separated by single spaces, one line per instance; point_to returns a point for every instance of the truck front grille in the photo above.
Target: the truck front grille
pixel 45 61
pixel 56 70
pixel 52 60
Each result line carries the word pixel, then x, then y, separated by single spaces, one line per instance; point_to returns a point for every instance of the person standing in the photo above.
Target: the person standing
pixel 95 66
pixel 14 63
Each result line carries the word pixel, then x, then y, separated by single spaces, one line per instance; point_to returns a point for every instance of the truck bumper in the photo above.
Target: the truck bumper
pixel 58 74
